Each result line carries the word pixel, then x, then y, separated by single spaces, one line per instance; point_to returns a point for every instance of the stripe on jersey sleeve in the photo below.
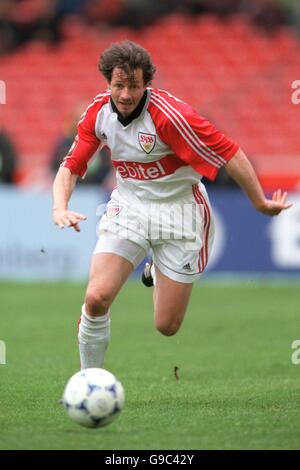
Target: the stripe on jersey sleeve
pixel 86 142
pixel 192 137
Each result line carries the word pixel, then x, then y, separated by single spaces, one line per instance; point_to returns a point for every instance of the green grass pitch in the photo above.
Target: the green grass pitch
pixel 237 387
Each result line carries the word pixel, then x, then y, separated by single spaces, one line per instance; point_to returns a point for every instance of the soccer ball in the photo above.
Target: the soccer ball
pixel 93 397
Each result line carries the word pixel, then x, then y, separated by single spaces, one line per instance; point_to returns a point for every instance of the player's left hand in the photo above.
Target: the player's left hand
pixel 275 205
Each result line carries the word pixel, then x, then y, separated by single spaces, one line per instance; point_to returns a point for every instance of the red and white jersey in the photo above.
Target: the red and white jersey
pixel 159 154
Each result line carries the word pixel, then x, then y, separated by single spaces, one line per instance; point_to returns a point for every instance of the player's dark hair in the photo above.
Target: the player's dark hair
pixel 128 56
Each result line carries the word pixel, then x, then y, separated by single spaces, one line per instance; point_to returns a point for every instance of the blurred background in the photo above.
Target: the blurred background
pixel 236 62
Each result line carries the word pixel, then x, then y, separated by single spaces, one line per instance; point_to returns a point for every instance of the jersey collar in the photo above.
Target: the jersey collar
pixel 135 113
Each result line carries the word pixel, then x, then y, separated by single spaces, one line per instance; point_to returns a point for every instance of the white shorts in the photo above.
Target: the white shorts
pixel 179 232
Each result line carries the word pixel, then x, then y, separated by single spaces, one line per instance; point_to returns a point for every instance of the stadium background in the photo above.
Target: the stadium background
pixel 237 63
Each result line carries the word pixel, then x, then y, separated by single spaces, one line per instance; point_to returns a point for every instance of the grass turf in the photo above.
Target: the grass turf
pixel 237 387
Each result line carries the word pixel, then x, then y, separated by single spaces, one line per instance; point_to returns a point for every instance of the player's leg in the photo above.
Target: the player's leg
pixel 170 299
pixel 110 268
pixel 179 262
pixel 108 273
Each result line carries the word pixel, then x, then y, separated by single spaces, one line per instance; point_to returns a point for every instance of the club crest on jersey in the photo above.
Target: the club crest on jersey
pixel 147 141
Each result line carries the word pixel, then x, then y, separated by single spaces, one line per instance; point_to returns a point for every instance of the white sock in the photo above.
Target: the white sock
pixel 152 270
pixel 93 337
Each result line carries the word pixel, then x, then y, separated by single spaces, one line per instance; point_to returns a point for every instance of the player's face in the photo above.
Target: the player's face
pixel 127 91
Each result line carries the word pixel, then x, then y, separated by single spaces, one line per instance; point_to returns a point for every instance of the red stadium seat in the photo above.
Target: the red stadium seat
pixel 229 71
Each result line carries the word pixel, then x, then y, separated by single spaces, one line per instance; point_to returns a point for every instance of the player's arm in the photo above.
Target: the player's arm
pixel 199 144
pixel 75 164
pixel 63 188
pixel 241 170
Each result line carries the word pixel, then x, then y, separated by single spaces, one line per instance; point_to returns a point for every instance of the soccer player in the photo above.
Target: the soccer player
pixel 160 148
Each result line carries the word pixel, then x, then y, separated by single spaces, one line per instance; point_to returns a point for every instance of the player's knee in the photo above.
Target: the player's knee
pixel 167 328
pixel 97 301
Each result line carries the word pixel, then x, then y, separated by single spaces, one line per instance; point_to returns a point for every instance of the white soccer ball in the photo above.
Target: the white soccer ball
pixel 93 397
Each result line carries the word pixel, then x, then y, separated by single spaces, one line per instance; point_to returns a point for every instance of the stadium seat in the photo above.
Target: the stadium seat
pixel 247 94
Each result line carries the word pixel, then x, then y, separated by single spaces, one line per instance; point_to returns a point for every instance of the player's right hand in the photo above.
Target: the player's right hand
pixel 65 218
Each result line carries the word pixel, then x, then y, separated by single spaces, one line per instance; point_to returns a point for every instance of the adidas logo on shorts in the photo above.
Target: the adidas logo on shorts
pixel 187 267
